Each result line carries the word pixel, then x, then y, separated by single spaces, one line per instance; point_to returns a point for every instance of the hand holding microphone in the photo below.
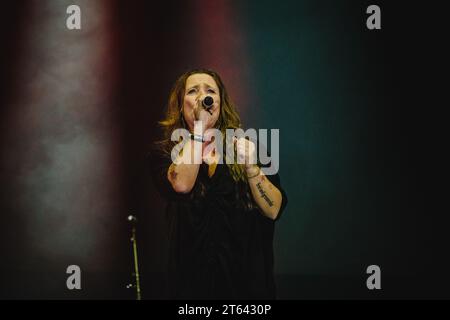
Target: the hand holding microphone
pixel 203 104
pixel 208 103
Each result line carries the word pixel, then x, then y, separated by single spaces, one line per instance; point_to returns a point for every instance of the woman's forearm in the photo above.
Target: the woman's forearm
pixel 182 176
pixel 266 195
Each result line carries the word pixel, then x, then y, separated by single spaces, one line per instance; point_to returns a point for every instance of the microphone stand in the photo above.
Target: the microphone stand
pixel 137 285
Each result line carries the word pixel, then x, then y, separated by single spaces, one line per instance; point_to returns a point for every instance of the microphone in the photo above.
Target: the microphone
pixel 208 103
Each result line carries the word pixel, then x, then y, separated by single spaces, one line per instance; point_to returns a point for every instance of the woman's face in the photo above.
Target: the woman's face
pixel 198 86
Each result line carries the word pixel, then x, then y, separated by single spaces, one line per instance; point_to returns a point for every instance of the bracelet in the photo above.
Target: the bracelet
pixel 259 171
pixel 196 137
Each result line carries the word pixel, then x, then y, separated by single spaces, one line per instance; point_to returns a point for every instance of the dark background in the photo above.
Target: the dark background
pixel 360 129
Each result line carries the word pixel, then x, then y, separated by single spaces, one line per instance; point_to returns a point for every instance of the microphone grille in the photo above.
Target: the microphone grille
pixel 208 101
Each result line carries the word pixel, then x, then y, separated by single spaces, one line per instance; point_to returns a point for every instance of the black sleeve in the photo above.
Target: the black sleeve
pixel 159 164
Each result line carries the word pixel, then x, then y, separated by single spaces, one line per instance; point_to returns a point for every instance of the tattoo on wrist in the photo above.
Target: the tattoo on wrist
pixel 264 195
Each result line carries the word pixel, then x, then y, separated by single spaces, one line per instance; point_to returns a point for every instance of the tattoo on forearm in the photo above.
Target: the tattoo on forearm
pixel 173 174
pixel 263 178
pixel 263 194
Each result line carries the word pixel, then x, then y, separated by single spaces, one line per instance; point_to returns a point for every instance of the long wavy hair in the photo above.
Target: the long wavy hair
pixel 174 119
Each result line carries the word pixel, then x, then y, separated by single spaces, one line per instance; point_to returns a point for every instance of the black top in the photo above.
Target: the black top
pixel 218 249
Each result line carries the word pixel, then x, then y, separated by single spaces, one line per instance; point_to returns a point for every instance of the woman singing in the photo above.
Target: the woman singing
pixel 221 215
